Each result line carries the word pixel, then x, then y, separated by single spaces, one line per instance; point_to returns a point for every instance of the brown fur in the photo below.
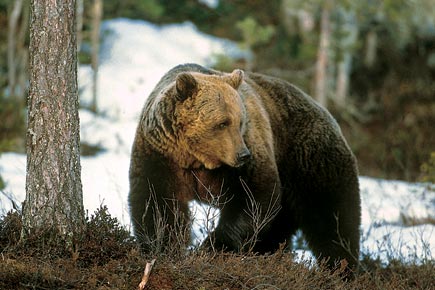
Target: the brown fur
pixel 198 128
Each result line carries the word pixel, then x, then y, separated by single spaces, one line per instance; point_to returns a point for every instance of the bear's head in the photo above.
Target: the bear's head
pixel 211 119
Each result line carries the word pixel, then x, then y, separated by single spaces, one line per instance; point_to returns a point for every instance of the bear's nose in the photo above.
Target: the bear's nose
pixel 243 156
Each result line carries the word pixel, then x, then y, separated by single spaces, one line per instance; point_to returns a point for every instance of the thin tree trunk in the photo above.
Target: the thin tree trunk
pixel 349 31
pixel 95 40
pixel 79 23
pixel 371 46
pixel 12 33
pixel 342 85
pixel 23 54
pixel 54 198
pixel 320 92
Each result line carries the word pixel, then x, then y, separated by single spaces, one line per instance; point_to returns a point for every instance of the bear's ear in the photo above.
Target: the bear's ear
pixel 235 78
pixel 185 86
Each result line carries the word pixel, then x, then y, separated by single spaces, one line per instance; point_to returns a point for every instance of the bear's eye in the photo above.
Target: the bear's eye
pixel 222 125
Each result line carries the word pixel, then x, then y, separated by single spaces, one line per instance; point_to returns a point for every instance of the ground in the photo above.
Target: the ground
pixel 108 259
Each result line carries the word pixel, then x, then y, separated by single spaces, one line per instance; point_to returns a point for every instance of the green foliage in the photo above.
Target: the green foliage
pixel 142 9
pixel 87 149
pixel 4 4
pixel 2 183
pixel 428 169
pixel 253 33
pixel 223 62
pixel 12 125
pixel 3 44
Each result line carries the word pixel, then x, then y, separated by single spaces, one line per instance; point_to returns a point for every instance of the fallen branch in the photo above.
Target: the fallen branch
pixel 146 274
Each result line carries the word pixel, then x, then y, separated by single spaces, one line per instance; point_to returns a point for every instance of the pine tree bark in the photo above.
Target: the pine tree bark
pixel 54 199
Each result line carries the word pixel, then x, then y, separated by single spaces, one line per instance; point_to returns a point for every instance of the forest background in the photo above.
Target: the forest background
pixel 372 63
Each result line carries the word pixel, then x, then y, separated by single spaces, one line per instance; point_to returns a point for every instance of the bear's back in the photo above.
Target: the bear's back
pixel 297 121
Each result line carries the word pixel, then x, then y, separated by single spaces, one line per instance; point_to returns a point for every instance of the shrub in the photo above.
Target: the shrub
pixel 428 169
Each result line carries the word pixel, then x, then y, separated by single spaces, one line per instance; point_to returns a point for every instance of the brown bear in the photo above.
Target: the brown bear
pixel 252 140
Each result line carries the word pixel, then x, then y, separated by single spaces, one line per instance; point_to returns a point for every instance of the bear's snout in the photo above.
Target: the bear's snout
pixel 243 156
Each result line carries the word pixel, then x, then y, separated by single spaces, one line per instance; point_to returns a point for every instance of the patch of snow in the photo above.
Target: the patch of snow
pixel 113 136
pixel 395 202
pixel 13 172
pixel 407 244
pixel 134 56
pixel 210 3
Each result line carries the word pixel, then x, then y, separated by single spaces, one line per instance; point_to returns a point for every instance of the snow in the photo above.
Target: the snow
pixel 210 3
pixel 134 55
pixel 395 219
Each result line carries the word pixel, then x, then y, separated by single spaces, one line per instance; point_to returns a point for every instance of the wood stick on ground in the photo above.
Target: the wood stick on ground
pixel 146 274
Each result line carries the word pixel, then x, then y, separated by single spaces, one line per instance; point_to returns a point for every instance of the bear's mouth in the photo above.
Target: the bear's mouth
pixel 208 164
pixel 238 164
pixel 240 161
pixel 212 165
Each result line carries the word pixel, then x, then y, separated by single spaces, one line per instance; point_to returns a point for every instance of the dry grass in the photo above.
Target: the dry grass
pixel 107 258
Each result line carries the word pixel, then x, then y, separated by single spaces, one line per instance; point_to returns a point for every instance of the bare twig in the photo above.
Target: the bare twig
pixel 214 201
pixel 259 215
pixel 146 274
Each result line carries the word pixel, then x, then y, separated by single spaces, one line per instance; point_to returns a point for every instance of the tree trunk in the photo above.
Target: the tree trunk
pixel 54 198
pixel 348 30
pixel 23 55
pixel 79 23
pixel 371 47
pixel 320 92
pixel 12 46
pixel 95 40
pixel 342 84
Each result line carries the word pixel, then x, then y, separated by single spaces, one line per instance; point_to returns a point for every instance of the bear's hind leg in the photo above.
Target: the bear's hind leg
pixel 332 237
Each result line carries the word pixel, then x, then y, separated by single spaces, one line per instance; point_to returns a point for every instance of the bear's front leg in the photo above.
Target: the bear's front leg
pixel 247 214
pixel 164 224
pixel 155 211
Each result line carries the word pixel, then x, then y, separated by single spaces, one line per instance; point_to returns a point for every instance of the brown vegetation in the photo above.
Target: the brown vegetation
pixel 107 258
